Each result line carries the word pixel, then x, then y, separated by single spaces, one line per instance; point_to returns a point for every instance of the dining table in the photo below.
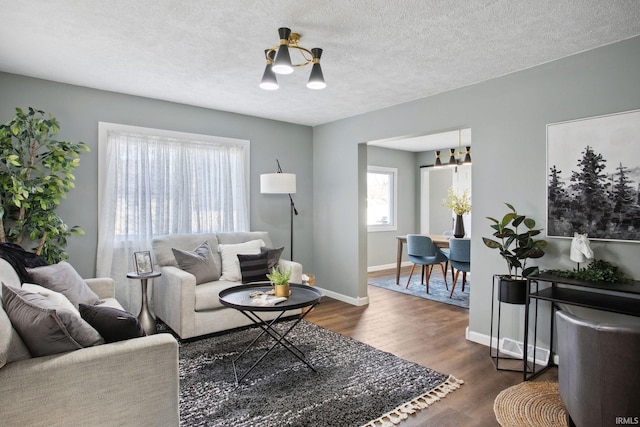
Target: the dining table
pixel 440 240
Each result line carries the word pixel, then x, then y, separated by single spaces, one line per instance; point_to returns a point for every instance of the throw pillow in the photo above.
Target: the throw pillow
pixel 254 268
pixel 56 298
pixel 45 328
pixel 273 256
pixel 229 254
pixel 63 278
pixel 198 262
pixel 113 324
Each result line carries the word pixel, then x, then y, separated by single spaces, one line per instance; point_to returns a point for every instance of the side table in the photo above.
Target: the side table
pixel 146 319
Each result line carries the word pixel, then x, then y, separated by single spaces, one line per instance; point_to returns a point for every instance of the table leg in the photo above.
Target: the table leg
pixel 146 319
pixel 279 338
pixel 398 261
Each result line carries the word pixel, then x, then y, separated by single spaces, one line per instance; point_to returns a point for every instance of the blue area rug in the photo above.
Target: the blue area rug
pixel 437 290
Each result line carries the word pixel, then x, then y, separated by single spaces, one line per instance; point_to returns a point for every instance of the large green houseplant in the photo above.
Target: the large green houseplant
pixel 36 172
pixel 514 239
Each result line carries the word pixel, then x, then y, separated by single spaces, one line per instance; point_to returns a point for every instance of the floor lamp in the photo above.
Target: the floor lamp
pixel 280 183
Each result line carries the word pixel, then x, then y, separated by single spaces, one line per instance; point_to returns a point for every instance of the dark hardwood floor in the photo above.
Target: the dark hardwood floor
pixel 433 335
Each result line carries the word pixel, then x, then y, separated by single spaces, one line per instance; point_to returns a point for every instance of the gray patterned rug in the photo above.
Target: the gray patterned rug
pixel 437 289
pixel 355 383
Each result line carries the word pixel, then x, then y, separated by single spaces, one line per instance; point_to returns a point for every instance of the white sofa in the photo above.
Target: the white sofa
pixel 192 310
pixel 127 383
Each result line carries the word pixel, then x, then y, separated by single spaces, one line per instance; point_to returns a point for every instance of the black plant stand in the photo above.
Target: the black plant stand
pixel 495 355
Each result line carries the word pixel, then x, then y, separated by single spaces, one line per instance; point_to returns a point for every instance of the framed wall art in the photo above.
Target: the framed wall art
pixel 593 177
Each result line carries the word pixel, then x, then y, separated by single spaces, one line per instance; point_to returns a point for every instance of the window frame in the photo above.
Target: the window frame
pixel 393 190
pixel 103 145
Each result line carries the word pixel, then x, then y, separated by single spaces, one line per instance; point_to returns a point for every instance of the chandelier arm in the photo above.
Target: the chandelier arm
pixel 302 50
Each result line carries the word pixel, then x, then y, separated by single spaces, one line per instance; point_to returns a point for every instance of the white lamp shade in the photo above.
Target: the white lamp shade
pixel 278 183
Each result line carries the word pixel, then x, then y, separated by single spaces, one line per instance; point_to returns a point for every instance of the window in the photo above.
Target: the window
pixel 381 198
pixel 154 182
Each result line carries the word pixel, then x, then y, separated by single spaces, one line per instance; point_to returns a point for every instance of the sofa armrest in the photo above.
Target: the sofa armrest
pixel 104 287
pixel 175 299
pixel 296 270
pixel 123 383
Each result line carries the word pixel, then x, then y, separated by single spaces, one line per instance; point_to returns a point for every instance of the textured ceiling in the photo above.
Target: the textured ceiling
pixel 376 53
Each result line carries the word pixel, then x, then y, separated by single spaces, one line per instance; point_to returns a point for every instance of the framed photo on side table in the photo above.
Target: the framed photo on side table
pixel 142 260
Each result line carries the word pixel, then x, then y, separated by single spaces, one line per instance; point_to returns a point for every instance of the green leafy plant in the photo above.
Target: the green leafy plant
pixel 459 204
pixel 596 271
pixel 514 245
pixel 278 277
pixel 35 174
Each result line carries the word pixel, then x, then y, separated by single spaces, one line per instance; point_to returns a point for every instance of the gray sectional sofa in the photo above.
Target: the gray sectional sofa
pixel 125 383
pixel 192 310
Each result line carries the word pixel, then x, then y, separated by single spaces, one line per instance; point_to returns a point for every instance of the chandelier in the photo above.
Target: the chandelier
pixel 279 61
pixel 453 161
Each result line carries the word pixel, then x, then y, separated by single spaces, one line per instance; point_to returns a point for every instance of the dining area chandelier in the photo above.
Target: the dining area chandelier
pixel 279 61
pixel 453 161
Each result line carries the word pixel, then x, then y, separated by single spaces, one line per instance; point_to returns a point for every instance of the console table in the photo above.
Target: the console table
pixel 622 298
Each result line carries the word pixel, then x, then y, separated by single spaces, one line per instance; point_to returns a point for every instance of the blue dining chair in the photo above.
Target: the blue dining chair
pixel 460 259
pixel 423 252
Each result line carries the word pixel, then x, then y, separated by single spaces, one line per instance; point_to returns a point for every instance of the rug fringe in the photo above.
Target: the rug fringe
pixel 403 411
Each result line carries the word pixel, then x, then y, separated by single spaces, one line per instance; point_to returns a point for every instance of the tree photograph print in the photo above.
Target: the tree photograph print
pixel 593 177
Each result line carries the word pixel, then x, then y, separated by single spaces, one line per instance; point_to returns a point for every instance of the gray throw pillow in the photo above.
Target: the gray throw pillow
pixel 63 278
pixel 113 324
pixel 45 328
pixel 198 262
pixel 273 256
pixel 254 267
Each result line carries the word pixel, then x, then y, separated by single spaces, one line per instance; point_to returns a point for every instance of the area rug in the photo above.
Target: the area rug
pixel 437 289
pixel 355 385
pixel 534 404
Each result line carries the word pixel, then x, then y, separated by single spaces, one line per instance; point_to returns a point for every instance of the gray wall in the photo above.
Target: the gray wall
pixel 80 109
pixel 382 245
pixel 508 118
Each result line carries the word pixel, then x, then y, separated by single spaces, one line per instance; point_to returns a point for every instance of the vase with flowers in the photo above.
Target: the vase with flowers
pixel 460 204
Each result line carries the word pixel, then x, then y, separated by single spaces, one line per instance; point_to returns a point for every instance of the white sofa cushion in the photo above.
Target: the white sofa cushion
pixel 230 263
pixel 207 294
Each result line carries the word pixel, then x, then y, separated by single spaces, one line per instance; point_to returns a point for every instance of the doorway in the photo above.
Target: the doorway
pixel 422 189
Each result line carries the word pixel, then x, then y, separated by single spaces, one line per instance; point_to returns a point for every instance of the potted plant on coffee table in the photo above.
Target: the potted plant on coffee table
pixel 280 281
pixel 516 246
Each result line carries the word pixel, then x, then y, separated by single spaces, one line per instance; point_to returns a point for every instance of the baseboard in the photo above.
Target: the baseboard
pixel 341 297
pixel 382 267
pixel 483 339
pixel 478 338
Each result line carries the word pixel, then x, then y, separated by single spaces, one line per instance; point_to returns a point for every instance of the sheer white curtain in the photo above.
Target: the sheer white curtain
pixel 152 185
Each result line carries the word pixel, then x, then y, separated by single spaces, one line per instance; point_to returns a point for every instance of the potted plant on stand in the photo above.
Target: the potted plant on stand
pixel 460 205
pixel 516 247
pixel 280 281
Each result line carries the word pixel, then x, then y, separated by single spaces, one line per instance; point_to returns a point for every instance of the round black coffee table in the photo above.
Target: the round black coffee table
pixel 240 298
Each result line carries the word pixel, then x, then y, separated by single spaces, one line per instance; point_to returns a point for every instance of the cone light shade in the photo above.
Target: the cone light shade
pixel 269 81
pixel 316 79
pixel 282 64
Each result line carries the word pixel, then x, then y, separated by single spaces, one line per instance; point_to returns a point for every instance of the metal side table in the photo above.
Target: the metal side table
pixel 145 317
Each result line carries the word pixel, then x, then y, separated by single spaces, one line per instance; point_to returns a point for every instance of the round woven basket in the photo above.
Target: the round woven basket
pixel 535 404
